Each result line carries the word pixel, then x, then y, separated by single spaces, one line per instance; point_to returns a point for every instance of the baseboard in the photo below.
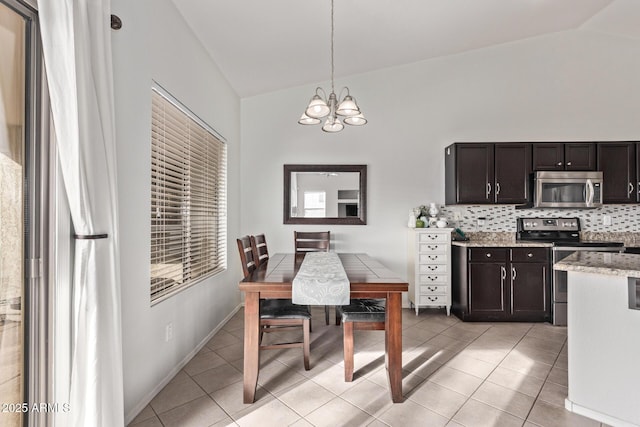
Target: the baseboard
pixel 147 399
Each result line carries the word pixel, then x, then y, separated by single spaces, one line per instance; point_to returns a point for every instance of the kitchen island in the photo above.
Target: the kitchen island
pixel 604 336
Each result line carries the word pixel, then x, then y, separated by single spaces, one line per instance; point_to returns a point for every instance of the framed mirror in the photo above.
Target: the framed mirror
pixel 325 194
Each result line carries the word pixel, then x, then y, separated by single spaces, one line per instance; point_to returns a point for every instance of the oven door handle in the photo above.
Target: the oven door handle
pixel 590 192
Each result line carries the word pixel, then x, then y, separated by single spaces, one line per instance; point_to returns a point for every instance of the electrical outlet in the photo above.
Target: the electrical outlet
pixel 606 220
pixel 457 216
pixel 168 332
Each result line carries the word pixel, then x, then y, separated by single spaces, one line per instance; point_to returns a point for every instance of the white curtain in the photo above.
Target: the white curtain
pixel 77 52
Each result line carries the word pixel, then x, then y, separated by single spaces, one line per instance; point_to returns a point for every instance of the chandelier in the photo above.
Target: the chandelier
pixel 332 106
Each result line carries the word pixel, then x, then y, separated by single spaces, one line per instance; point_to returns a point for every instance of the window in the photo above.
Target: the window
pixel 188 198
pixel 314 204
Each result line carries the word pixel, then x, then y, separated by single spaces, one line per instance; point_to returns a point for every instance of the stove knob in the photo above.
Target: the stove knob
pixel 527 224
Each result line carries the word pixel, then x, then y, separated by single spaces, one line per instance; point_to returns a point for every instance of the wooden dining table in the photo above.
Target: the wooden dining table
pixel 368 279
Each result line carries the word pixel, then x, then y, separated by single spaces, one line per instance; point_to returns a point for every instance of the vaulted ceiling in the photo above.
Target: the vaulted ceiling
pixel 268 45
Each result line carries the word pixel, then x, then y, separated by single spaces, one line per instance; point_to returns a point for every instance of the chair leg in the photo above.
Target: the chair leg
pixel 326 314
pixel 348 350
pixel 306 325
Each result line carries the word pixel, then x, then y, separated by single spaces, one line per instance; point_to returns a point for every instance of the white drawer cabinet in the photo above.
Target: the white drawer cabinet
pixel 430 268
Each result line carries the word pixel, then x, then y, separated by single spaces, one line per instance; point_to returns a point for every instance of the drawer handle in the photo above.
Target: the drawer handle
pixel 433 279
pixel 432 289
pixel 432 257
pixel 433 248
pixel 432 267
pixel 488 255
pixel 433 236
pixel 530 255
pixel 433 299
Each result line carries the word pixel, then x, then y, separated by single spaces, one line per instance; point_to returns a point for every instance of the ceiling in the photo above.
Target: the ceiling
pixel 263 46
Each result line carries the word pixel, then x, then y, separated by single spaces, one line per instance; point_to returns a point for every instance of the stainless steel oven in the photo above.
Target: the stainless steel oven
pixel 564 236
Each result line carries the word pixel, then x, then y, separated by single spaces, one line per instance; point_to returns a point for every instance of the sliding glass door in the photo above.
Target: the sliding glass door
pixel 21 201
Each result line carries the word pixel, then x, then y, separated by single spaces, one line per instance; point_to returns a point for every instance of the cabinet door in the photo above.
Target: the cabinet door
pixel 487 299
pixel 530 291
pixel 474 173
pixel 617 161
pixel 638 171
pixel 580 156
pixel 548 157
pixel 512 170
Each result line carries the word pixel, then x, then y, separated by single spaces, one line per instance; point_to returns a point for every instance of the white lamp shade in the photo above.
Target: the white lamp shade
pixel 358 120
pixel 332 125
pixel 317 108
pixel 348 107
pixel 306 120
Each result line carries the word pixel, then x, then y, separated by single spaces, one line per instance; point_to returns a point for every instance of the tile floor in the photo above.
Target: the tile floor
pixel 455 374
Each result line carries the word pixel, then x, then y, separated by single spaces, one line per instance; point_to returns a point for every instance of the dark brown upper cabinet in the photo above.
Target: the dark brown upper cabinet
pixel 617 161
pixel 487 173
pixel 512 169
pixel 551 156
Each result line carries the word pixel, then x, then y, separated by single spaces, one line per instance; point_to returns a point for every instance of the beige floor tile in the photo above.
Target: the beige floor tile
pixel 333 379
pixel 203 361
pixel 273 413
pixel 222 339
pixel 478 414
pixel 455 380
pixel 437 398
pixel 469 365
pixel 277 377
pixel 339 412
pixel 541 344
pixel 412 414
pixel 231 352
pixel 559 376
pixel 230 398
pixel 554 394
pixel 305 397
pixel 535 353
pixel 217 378
pixel 448 343
pixel 547 415
pixel 145 414
pixel 524 364
pixel 506 400
pixel 201 412
pixel 419 334
pixel 179 391
pixel 516 381
pixel 487 353
pixel 149 422
pixel 368 396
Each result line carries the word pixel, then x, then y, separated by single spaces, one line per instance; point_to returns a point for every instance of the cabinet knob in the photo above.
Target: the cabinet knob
pixel 559 163
pixel 530 255
pixel 568 163
pixel 488 255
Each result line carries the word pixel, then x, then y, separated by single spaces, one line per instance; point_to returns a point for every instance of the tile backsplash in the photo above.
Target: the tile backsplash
pixel 624 218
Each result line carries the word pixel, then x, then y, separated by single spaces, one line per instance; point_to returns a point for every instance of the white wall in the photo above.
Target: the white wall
pixel 155 43
pixel 567 86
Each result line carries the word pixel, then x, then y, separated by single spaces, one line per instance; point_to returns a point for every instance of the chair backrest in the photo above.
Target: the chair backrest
pixel 315 241
pixel 259 246
pixel 246 255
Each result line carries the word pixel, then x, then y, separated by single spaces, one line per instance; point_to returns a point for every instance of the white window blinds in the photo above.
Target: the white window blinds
pixel 188 199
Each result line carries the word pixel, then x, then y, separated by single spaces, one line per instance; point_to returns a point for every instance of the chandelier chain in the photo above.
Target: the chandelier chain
pixel 332 67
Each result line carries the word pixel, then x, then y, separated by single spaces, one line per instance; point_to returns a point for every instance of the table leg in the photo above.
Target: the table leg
pixel 393 344
pixel 251 344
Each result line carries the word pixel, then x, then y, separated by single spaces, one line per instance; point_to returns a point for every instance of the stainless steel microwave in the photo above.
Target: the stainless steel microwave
pixel 568 189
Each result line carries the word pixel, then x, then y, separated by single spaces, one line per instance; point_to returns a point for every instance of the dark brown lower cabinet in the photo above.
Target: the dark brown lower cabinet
pixel 494 284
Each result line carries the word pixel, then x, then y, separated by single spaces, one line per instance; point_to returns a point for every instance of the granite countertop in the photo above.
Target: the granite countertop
pixel 606 263
pixel 496 240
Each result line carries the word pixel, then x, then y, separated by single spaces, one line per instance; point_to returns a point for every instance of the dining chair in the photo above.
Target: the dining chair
pixel 313 241
pixel 259 247
pixel 361 314
pixel 277 315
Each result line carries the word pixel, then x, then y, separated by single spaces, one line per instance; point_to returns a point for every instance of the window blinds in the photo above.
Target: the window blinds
pixel 188 199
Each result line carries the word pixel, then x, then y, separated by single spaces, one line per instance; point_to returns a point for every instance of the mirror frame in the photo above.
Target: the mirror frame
pixel 361 219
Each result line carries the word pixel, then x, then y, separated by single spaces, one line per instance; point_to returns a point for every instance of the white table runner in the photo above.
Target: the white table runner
pixel 321 280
